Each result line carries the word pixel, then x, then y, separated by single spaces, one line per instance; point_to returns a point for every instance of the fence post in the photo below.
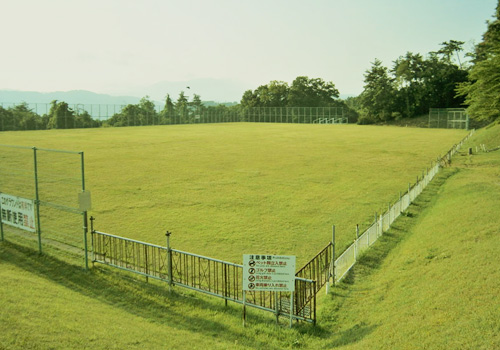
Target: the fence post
pixel 400 203
pixel 314 298
pixel 381 228
pixel 389 213
pixel 225 286
pixel 169 261
pixel 85 233
pixel 146 270
pixel 92 238
pixel 37 202
pixel 1 225
pixel 333 254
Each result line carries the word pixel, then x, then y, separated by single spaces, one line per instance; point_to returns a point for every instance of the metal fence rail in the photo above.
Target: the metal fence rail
pixel 319 267
pixel 349 257
pixel 211 276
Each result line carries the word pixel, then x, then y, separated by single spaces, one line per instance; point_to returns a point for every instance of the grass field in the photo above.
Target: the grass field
pixel 229 189
pixel 431 282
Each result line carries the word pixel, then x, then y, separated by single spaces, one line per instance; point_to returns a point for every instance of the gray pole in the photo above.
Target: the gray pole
pixel 37 202
pixel 169 261
pixel 1 225
pixel 85 220
pixel 333 254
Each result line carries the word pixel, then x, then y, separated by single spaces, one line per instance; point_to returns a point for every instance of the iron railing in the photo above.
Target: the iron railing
pixel 211 276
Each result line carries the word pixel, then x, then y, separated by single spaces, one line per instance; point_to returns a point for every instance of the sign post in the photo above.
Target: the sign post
pixel 268 273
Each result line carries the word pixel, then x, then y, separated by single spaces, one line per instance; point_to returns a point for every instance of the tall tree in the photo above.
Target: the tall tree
pixel 147 112
pixel 450 48
pixel 482 91
pixel 168 111
pixel 378 95
pixel 312 92
pixel 409 71
pixel 181 107
pixel 60 116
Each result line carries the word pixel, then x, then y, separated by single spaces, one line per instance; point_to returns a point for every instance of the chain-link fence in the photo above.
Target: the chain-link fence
pixel 40 116
pixel 53 181
pixel 448 118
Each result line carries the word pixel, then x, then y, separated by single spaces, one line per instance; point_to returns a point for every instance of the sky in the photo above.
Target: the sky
pixel 122 47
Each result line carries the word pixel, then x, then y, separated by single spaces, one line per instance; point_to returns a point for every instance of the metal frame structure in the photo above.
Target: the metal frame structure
pixel 200 273
pixel 44 198
pixel 448 118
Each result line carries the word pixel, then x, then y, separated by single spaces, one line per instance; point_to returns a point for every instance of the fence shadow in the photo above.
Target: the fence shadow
pixel 150 301
pixel 352 335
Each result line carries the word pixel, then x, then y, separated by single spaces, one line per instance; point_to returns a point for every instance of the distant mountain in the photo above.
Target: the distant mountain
pixel 71 97
pixel 217 91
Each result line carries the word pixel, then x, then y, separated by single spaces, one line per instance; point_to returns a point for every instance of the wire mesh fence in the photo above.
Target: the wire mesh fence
pixel 52 181
pixel 39 116
pixel 448 118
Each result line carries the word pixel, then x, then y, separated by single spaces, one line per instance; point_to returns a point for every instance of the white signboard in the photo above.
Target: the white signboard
pixel 263 272
pixel 18 212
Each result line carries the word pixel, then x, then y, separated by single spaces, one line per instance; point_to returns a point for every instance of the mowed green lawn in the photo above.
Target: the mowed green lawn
pixel 224 190
pixel 436 288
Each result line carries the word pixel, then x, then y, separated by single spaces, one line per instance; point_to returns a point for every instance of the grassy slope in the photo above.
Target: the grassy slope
pixel 228 188
pixel 437 289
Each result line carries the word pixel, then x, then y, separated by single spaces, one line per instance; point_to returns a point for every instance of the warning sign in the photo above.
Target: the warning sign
pixel 262 272
pixel 18 212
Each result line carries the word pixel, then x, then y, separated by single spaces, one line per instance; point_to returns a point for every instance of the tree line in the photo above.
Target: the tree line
pixel 482 90
pixel 412 85
pixel 60 116
pixel 407 89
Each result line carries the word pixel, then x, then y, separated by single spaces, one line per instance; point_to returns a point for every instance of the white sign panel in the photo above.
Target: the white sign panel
pixel 18 212
pixel 263 272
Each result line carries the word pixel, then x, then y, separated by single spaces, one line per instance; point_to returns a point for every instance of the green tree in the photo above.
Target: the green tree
pixel 378 94
pixel 482 91
pixel 408 71
pixel 60 116
pixel 6 120
pixel 181 108
pixel 25 118
pixel 196 109
pixel 450 48
pixel 84 120
pixel 312 92
pixel 167 114
pixel 147 112
pixel 274 94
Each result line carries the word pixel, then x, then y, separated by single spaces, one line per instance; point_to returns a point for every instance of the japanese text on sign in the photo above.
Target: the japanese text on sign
pixel 18 212
pixel 262 272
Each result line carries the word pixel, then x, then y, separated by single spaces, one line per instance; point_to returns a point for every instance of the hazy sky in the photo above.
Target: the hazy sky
pixel 120 46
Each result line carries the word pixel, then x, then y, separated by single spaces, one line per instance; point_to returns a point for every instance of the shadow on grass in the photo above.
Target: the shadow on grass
pixel 352 335
pixel 150 301
pixel 373 258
